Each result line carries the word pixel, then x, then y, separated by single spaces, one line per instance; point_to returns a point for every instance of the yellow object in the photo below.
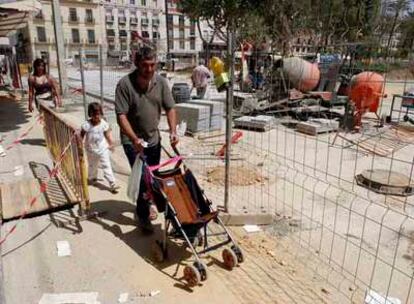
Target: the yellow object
pixel 221 81
pixel 217 66
pixel 221 78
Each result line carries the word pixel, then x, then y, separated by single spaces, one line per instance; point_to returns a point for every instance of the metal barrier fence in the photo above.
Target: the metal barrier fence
pixel 360 239
pixel 59 134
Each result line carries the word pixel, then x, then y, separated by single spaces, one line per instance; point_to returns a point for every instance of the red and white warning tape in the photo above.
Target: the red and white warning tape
pixel 15 142
pixel 43 188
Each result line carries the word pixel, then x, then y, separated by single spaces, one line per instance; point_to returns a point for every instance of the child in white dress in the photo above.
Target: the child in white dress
pixel 98 144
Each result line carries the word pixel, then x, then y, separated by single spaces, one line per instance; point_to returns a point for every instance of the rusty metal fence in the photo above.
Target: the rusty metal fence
pixel 59 135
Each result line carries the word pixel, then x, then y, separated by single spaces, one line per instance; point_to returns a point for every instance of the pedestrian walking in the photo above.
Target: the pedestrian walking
pixel 98 144
pixel 200 76
pixel 140 98
pixel 42 87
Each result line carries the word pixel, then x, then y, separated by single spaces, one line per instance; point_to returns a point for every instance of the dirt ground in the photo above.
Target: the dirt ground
pixel 329 243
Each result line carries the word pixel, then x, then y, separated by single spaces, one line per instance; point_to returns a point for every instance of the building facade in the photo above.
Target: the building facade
pixel 132 23
pixel 184 43
pixel 81 27
pixel 119 26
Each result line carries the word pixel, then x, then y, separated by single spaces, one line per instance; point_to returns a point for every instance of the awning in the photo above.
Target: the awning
pixel 14 15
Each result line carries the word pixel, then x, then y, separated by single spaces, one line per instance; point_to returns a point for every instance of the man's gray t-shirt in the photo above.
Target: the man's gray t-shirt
pixel 143 110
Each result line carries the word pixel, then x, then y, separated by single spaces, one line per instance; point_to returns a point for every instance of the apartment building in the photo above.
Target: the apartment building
pixel 81 26
pixel 132 23
pixel 184 43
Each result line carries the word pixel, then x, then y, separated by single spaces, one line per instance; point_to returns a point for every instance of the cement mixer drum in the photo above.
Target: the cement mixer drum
pixel 366 89
pixel 302 74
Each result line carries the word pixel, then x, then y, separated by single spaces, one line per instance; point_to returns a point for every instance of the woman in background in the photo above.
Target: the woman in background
pixel 42 87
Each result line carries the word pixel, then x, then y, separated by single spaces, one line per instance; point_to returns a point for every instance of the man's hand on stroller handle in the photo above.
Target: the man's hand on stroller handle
pixel 174 139
pixel 139 144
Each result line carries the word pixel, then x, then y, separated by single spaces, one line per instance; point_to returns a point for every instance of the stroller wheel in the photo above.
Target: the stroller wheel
pixel 239 253
pixel 229 258
pixel 157 252
pixel 192 275
pixel 202 269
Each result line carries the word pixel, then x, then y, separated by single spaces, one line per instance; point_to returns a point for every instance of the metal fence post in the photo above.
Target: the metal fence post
pixel 85 105
pixel 229 118
pixel 101 73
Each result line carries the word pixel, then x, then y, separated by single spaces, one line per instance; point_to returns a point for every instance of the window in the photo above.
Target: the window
pixel 91 36
pixel 181 33
pixel 155 35
pixel 192 28
pixel 88 16
pixel 182 44
pixel 75 36
pixel 181 21
pixel 121 16
pixel 145 34
pixel 192 43
pixel 132 2
pixel 73 16
pixel 171 33
pixel 171 44
pixel 155 3
pixel 144 2
pixel 41 34
pixel 123 33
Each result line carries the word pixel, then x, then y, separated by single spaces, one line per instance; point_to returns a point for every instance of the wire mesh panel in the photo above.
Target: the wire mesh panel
pixel 308 182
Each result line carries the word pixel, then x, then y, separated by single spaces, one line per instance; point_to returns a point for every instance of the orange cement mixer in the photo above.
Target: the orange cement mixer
pixel 365 91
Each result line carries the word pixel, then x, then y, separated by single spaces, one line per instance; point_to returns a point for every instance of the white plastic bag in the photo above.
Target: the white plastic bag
pixel 135 180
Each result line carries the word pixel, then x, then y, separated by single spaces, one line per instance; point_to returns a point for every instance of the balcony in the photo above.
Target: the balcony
pixel 109 19
pixel 144 21
pixel 75 41
pixel 155 22
pixel 42 40
pixel 73 19
pixel 123 34
pixel 133 20
pixel 89 20
pixel 121 20
pixel 110 34
pixel 89 42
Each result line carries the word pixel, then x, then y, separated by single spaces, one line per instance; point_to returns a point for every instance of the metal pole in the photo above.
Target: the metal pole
pixel 167 28
pixel 57 22
pixel 85 105
pixel 101 72
pixel 229 116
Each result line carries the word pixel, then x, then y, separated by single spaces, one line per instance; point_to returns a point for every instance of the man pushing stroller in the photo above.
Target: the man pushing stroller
pixel 140 97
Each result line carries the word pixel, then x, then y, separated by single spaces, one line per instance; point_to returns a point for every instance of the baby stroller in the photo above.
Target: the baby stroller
pixel 188 212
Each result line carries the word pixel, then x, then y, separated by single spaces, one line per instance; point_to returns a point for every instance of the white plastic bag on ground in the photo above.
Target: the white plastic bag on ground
pixel 135 180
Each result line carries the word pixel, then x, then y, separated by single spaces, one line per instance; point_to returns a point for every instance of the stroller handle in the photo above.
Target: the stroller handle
pixel 177 153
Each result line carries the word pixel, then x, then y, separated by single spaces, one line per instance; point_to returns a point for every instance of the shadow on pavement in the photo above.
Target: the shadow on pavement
pixel 34 142
pixel 118 215
pixel 12 114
